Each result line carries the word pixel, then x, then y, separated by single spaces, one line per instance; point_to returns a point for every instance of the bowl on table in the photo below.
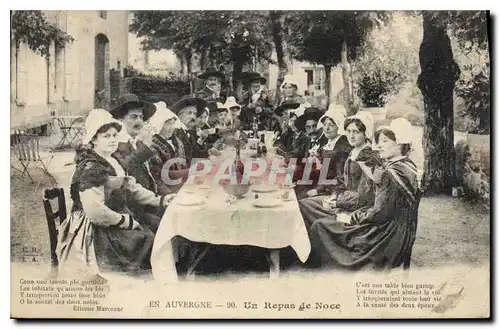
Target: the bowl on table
pixel 238 190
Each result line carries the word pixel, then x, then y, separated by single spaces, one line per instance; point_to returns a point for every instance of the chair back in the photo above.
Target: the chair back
pixel 52 216
pixel 26 146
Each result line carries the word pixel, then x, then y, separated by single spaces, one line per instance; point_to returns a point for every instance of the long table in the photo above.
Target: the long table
pixel 202 214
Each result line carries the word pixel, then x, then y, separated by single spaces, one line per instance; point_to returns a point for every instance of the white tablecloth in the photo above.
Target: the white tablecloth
pixel 239 223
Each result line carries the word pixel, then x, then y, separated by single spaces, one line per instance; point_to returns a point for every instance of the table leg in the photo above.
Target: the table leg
pixel 190 275
pixel 274 263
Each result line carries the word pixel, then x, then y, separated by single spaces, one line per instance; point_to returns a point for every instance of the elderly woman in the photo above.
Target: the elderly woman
pixel 101 230
pixel 380 237
pixel 289 91
pixel 166 146
pixel 355 189
pixel 332 155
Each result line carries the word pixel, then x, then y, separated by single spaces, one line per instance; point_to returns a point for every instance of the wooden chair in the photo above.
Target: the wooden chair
pixel 52 216
pixel 27 149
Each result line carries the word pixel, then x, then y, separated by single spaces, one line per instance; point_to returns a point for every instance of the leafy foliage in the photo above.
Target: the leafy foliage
pixel 470 30
pixel 317 36
pixel 320 37
pixel 476 93
pixel 227 36
pixel 31 27
pixel 389 59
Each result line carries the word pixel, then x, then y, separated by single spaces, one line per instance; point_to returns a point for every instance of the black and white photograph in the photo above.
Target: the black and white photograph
pixel 250 164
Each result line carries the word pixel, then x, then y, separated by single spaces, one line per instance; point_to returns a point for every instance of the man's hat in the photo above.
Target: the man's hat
pixel 285 106
pixel 212 72
pixel 190 101
pixel 311 113
pixel 251 77
pixel 231 102
pixel 128 101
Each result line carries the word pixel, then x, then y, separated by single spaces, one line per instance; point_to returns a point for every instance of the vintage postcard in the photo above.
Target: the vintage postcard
pixel 250 164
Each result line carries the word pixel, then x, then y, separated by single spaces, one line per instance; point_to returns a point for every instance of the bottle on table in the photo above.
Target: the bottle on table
pixel 238 165
pixel 262 144
pixel 255 127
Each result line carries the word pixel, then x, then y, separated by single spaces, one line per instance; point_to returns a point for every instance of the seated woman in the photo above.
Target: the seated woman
pixel 101 230
pixel 166 146
pixel 331 156
pixel 380 237
pixel 298 145
pixel 355 190
pixel 283 135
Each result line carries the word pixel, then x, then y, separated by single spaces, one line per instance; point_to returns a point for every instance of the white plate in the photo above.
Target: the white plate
pixel 267 203
pixel 264 188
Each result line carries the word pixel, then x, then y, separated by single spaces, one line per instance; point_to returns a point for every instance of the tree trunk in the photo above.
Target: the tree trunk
pixel 237 70
pixel 328 84
pixel 188 57
pixel 439 72
pixel 189 64
pixel 203 60
pixel 280 54
pixel 182 63
pixel 346 76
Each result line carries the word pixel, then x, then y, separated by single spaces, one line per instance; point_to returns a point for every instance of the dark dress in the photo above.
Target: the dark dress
pixel 192 148
pixel 355 191
pixel 283 142
pixel 379 237
pixel 101 235
pixel 335 171
pixel 162 152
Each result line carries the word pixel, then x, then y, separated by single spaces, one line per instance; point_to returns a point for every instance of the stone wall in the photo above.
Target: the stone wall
pixel 473 165
pixel 67 84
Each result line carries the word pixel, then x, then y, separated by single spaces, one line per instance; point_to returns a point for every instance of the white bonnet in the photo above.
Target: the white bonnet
pixel 338 114
pixel 95 120
pixel 289 79
pixel 402 129
pixel 161 115
pixel 367 119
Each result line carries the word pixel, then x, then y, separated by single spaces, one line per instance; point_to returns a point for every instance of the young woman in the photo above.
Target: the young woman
pixel 101 230
pixel 355 189
pixel 381 236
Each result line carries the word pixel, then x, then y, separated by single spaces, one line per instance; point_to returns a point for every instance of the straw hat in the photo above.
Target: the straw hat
pixel 231 102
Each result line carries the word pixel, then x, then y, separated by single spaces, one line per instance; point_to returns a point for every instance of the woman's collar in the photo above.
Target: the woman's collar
pixel 396 159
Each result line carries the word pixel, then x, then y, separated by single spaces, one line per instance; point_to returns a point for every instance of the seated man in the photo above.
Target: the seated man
pixel 134 150
pixel 257 106
pixel 188 109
